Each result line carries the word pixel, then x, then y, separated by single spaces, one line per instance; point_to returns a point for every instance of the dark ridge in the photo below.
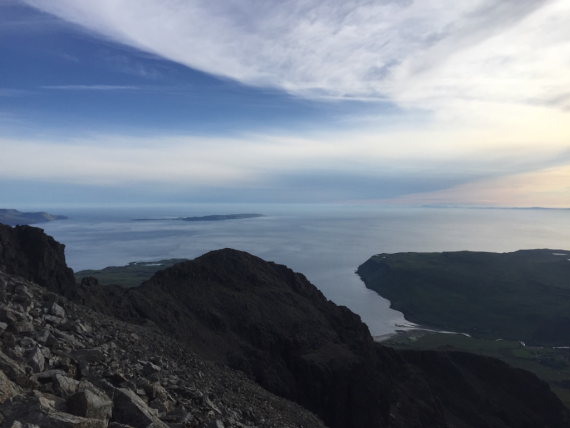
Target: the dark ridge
pixel 272 324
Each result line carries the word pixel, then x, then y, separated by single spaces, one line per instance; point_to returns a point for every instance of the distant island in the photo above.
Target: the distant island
pixel 215 217
pixel 13 217
pixel 131 275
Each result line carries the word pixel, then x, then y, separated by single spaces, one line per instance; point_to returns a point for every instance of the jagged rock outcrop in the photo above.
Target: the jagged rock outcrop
pixel 28 252
pixel 271 324
pixel 77 368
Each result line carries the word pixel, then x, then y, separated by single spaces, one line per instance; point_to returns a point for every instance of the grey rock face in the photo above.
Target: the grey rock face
pixel 8 389
pixel 64 386
pixel 90 403
pixel 36 359
pixel 130 408
pixel 57 310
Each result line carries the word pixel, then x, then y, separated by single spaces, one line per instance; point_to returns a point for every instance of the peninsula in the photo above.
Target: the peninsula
pixel 14 217
pixel 523 295
pixel 514 306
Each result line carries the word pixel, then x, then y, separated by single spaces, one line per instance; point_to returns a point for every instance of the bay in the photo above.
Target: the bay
pixel 324 242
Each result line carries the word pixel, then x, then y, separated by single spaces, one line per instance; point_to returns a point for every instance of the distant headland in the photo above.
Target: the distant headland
pixel 14 217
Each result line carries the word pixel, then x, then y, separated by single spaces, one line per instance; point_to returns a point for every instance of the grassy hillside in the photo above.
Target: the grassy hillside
pixel 523 295
pixel 130 275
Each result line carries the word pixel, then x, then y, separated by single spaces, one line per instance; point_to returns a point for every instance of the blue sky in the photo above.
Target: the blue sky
pixel 395 102
pixel 67 81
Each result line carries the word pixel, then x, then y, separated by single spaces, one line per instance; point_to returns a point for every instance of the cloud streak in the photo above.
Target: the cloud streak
pixel 547 187
pixel 396 163
pixel 482 88
pixel 414 53
pixel 91 87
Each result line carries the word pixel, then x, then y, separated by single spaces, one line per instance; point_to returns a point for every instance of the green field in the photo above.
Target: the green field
pixel 550 364
pixel 130 275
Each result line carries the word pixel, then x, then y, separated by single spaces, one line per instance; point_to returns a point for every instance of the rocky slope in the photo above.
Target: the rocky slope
pixel 273 325
pixel 63 365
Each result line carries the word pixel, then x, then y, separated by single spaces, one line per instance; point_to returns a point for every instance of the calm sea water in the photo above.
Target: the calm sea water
pixel 325 242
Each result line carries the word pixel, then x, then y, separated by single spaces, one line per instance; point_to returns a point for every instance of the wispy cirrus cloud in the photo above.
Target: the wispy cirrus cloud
pixel 91 87
pixel 424 54
pixel 482 86
pixel 395 159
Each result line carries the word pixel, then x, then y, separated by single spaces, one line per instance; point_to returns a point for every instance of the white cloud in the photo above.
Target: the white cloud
pixel 253 159
pixel 416 53
pixel 494 77
pixel 442 154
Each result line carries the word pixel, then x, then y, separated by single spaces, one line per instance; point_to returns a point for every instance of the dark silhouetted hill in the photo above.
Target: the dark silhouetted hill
pixel 270 323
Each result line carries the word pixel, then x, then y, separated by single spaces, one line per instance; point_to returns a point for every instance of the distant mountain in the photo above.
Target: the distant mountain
pixel 14 217
pixel 214 217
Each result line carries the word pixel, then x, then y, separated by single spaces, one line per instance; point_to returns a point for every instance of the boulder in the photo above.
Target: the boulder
pixel 48 376
pixel 47 402
pixel 23 296
pixel 130 409
pixel 8 389
pixel 24 326
pixel 14 371
pixel 56 310
pixel 36 359
pixel 88 355
pixel 90 403
pixel 64 386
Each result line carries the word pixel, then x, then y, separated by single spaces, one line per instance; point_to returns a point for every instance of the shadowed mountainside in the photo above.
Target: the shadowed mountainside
pixel 271 323
pixel 524 295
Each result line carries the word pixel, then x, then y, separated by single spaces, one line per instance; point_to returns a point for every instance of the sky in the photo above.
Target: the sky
pixel 397 102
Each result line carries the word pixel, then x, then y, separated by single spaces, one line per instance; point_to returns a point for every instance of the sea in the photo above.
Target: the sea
pixel 325 242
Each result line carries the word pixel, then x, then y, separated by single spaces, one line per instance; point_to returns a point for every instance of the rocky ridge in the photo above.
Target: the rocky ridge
pixel 63 365
pixel 231 309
